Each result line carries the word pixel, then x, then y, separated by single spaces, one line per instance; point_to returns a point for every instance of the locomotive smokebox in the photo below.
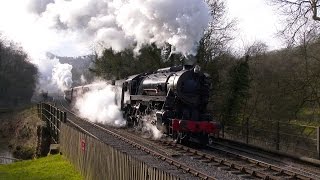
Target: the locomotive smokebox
pixel 189 62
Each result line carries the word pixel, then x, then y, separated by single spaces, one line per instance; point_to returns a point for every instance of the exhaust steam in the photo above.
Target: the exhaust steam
pixel 100 105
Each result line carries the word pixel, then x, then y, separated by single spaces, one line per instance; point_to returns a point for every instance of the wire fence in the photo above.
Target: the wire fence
pixel 285 137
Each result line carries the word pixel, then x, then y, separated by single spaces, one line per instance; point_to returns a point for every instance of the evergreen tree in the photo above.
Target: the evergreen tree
pixel 239 85
pixel 119 65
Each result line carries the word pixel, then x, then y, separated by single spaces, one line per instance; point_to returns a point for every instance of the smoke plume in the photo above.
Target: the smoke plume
pixel 99 105
pixel 121 24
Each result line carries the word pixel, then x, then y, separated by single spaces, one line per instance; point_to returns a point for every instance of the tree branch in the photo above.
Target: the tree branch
pixel 315 9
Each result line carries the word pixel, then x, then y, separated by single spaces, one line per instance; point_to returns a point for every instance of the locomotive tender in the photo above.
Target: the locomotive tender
pixel 177 95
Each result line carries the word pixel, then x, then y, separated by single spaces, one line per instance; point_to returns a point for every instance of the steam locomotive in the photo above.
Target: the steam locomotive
pixel 177 96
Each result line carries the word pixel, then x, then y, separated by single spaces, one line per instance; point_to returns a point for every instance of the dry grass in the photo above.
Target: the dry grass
pixel 19 129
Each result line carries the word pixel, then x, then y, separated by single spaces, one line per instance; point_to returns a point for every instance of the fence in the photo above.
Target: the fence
pixel 93 158
pixel 289 138
pixel 97 160
pixel 53 117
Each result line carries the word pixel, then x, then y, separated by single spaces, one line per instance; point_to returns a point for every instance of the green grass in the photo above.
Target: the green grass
pixel 51 167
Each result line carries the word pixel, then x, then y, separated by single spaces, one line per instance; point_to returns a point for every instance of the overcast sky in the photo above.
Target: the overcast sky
pixel 257 21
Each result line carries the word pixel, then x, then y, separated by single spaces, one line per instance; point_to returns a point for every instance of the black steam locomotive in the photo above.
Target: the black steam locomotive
pixel 178 97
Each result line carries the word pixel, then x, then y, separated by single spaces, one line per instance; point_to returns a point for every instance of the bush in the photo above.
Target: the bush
pixel 22 152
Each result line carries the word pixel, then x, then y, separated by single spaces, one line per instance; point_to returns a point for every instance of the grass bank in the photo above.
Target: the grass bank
pixel 51 167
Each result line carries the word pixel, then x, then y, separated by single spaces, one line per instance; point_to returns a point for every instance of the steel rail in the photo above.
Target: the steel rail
pixel 239 149
pixel 268 166
pixel 247 169
pixel 167 159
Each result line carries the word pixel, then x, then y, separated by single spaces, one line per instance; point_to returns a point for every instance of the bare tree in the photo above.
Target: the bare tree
pixel 17 75
pixel 218 35
pixel 256 48
pixel 300 16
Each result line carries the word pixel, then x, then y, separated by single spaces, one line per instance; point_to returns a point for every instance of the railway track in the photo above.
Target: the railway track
pixel 239 164
pixel 82 123
pixel 310 170
pixel 242 166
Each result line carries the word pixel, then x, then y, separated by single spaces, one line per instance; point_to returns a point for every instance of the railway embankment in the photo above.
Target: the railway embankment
pixel 23 133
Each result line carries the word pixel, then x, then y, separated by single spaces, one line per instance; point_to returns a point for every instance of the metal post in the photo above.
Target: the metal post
pixel 222 127
pixel 64 117
pixel 57 121
pixel 55 118
pixel 278 136
pixel 247 124
pixel 42 111
pixel 61 119
pixel 50 117
pixel 56 125
pixel 38 110
pixel 318 142
pixel 58 117
pixel 51 121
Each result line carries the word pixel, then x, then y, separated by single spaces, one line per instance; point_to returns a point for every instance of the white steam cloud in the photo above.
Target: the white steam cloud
pixel 151 128
pixel 54 76
pixel 20 26
pixel 100 105
pixel 74 27
pixel 62 76
pixel 83 80
pixel 122 24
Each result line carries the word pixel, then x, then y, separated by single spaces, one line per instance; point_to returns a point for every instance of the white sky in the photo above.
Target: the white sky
pixel 257 21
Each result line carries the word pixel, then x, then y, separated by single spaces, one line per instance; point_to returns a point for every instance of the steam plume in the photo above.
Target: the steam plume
pixel 54 76
pixel 72 27
pixel 99 105
pixel 151 128
pixel 122 23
